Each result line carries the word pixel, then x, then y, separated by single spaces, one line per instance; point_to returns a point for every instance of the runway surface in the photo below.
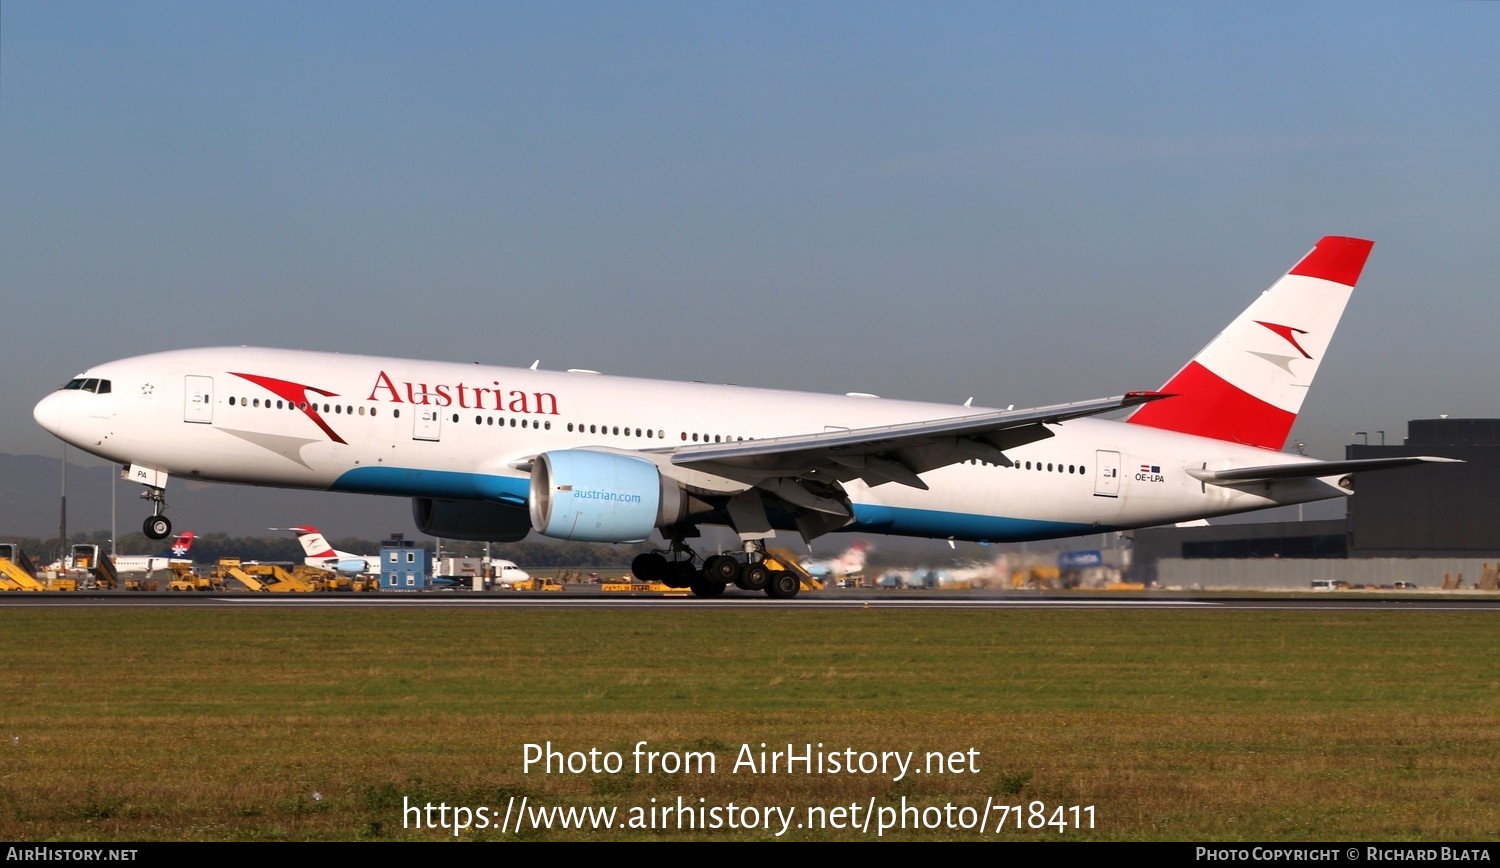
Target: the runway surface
pixel 586 598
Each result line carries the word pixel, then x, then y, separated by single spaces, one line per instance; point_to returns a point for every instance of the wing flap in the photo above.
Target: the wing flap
pixel 893 453
pixel 1313 469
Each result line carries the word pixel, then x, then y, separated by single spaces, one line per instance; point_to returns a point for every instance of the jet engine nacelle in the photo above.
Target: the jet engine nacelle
pixel 579 494
pixel 470 520
pixel 347 566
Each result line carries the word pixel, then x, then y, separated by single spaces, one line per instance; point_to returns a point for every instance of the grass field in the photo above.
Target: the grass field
pixel 230 725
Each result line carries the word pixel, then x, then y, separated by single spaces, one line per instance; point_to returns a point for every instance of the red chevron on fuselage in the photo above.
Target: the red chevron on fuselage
pixel 296 395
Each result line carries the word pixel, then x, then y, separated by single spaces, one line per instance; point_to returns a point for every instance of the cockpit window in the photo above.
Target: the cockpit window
pixel 92 384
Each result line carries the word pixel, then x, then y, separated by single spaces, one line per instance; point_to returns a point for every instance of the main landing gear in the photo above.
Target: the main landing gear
pixel 674 568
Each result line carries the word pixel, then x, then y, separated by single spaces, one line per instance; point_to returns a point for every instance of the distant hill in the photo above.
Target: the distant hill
pixel 30 486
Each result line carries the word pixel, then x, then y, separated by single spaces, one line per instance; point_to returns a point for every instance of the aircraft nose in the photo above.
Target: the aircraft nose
pixel 48 413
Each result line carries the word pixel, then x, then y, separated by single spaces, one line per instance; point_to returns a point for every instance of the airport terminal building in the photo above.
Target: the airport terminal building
pixel 1418 525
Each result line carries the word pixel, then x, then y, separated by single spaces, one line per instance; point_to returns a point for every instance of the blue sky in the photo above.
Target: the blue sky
pixel 1023 203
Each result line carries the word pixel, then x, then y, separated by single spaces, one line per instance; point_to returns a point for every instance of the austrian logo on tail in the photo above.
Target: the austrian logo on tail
pixel 314 545
pixel 1287 333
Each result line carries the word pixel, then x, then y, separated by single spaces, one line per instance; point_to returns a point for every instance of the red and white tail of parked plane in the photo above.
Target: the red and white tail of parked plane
pixel 318 553
pixel 850 563
pixel 490 453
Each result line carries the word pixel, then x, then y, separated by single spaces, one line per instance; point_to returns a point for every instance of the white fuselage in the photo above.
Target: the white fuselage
pixel 401 427
pixel 145 563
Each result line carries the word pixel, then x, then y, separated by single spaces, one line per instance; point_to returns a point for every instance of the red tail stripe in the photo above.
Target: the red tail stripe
pixel 1207 405
pixel 1336 258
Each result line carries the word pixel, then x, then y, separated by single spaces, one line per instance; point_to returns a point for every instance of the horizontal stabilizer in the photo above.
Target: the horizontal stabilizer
pixel 1313 469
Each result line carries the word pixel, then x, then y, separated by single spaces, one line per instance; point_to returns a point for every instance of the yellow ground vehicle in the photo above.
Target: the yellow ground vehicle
pixel 17 572
pixel 281 580
pixel 627 585
pixel 1040 577
pixel 184 579
pixel 781 560
pixel 230 568
pixel 96 564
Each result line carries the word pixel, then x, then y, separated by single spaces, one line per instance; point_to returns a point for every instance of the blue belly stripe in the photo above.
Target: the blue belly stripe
pixel 408 482
pixel 897 521
pixel 905 521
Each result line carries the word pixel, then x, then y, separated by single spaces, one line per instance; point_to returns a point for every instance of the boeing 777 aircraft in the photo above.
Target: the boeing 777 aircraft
pixel 488 453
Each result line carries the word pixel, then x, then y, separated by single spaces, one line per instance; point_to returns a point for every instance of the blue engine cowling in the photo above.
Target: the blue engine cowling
pixel 579 494
pixel 347 566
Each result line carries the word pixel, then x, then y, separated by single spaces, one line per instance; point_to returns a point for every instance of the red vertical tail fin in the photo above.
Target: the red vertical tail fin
pixel 1247 385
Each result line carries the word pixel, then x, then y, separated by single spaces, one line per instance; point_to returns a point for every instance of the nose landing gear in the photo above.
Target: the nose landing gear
pixel 156 526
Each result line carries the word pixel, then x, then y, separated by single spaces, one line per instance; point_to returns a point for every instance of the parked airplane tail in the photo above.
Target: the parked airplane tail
pixel 853 560
pixel 324 556
pixel 180 546
pixel 1247 385
pixel 313 543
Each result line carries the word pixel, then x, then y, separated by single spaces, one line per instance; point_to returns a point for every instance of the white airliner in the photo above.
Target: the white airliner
pixel 175 553
pixel 850 563
pixel 490 453
pixel 318 553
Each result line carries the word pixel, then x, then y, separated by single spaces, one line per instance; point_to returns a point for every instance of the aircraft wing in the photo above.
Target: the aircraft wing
pixel 892 453
pixel 1313 469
